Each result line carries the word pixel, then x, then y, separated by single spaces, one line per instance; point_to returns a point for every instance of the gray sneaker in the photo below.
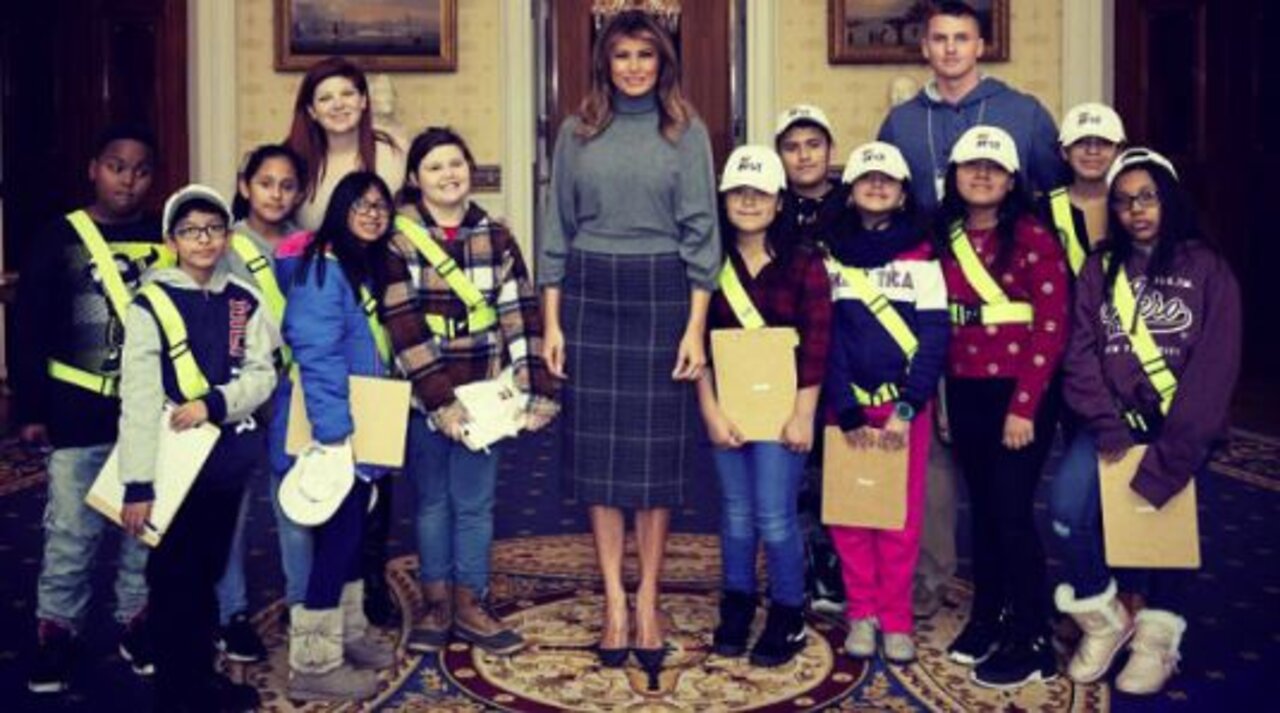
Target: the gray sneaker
pixel 899 648
pixel 861 641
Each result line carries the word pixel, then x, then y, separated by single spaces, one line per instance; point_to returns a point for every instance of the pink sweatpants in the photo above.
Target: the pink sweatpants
pixel 878 565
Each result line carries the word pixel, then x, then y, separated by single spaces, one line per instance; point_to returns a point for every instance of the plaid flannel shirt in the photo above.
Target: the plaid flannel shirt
pixel 490 258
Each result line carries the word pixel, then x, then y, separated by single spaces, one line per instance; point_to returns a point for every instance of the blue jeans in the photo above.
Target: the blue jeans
pixel 72 532
pixel 295 549
pixel 759 483
pixel 454 487
pixel 1075 507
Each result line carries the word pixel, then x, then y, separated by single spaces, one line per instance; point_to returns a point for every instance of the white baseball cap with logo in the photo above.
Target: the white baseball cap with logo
pixel 1091 119
pixel 802 113
pixel 756 167
pixel 186 194
pixel 1138 156
pixel 318 482
pixel 876 156
pixel 989 143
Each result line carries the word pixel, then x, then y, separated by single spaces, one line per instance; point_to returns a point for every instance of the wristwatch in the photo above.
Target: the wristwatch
pixel 904 410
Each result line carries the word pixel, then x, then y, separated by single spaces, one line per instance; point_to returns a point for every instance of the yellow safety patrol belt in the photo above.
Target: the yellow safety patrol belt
pixel 736 295
pixel 889 318
pixel 259 267
pixel 1143 344
pixel 191 381
pixel 1060 207
pixel 996 307
pixel 480 314
pixel 380 340
pixel 118 296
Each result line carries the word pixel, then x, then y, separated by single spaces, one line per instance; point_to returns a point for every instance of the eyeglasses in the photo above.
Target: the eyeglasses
pixel 192 233
pixel 1142 201
pixel 365 207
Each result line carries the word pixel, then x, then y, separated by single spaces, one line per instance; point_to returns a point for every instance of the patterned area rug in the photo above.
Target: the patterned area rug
pixel 546 586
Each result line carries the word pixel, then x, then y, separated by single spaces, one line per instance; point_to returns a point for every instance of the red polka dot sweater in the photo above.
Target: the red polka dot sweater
pixel 1037 273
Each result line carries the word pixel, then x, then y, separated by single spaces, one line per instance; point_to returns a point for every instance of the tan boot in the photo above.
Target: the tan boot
pixel 1106 625
pixel 431 631
pixel 316 669
pixel 1154 652
pixel 359 647
pixel 475 622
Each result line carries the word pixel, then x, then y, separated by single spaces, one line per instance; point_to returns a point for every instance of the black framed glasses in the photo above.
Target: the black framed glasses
pixel 372 208
pixel 1142 200
pixel 192 233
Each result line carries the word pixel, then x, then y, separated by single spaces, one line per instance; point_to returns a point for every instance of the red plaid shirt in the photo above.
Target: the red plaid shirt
pixel 795 294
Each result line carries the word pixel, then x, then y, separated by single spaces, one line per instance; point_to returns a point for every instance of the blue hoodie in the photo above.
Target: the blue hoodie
pixel 993 103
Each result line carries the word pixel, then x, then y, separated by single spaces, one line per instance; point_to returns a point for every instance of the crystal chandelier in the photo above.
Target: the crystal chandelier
pixel 666 12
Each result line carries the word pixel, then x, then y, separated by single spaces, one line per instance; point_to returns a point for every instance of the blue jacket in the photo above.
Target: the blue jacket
pixel 329 334
pixel 910 124
pixel 901 266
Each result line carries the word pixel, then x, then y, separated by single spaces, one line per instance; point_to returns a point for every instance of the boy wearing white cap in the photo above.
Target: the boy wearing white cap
pixel 803 139
pixel 881 380
pixel 1009 293
pixel 225 373
pixel 766 282
pixel 1092 135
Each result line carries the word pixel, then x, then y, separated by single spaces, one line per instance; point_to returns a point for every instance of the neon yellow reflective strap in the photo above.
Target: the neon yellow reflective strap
pixel 480 314
pixel 191 381
pixel 1143 344
pixel 996 307
pixel 97 383
pixel 147 255
pixel 738 299
pixel 112 282
pixel 883 394
pixel 1060 207
pixel 380 340
pixel 259 266
pixel 885 314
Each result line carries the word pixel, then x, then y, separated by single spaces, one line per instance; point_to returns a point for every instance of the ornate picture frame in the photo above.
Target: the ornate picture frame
pixel 378 35
pixel 889 31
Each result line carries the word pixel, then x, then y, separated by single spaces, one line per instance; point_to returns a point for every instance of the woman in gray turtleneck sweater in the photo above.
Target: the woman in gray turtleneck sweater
pixel 628 260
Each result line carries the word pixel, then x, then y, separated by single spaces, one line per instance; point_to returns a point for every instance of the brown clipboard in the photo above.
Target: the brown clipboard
pixel 755 373
pixel 1138 534
pixel 380 410
pixel 863 487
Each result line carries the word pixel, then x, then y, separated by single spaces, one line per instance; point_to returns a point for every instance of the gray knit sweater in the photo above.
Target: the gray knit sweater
pixel 629 191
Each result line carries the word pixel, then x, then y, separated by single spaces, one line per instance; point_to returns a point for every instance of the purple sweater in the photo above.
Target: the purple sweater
pixel 1194 316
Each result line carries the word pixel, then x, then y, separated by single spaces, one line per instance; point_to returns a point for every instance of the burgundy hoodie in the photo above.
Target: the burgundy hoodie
pixel 1193 314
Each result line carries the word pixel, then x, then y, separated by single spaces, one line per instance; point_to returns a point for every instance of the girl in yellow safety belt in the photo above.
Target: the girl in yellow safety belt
pixel 459 305
pixel 1152 363
pixel 1092 136
pixel 768 280
pixel 890 344
pixel 1007 280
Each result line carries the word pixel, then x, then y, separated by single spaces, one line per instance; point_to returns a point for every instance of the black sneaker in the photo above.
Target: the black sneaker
pixel 737 609
pixel 976 642
pixel 51 668
pixel 135 647
pixel 238 640
pixel 1017 663
pixel 782 639
pixel 828 581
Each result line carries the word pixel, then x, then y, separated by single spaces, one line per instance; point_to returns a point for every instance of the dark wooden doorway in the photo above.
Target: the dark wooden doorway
pixel 70 68
pixel 705 51
pixel 1195 80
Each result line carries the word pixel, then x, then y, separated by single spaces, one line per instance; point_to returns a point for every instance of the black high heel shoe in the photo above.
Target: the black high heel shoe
pixel 651 661
pixel 612 658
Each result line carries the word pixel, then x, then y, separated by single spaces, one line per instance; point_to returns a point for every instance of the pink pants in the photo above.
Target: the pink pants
pixel 878 565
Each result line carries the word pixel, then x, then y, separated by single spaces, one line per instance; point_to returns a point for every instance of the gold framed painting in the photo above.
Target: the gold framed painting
pixel 890 31
pixel 378 35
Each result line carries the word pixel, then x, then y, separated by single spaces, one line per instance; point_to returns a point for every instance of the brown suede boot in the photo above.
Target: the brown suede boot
pixel 431 631
pixel 475 622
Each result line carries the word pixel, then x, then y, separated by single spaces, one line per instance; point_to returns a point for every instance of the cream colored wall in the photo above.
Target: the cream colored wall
pixel 856 97
pixel 469 100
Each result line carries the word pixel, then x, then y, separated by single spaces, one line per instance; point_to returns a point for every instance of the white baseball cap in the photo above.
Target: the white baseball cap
pixel 986 142
pixel 876 156
pixel 1136 157
pixel 185 195
pixel 756 166
pixel 1091 119
pixel 318 482
pixel 802 113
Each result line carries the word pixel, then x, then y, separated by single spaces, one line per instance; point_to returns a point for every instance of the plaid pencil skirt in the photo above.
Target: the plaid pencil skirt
pixel 628 429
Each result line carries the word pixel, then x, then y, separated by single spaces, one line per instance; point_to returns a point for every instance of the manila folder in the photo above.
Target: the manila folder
pixel 756 378
pixel 1137 533
pixel 380 410
pixel 863 487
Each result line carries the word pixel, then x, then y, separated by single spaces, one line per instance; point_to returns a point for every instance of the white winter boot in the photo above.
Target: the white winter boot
pixel 361 649
pixel 1154 655
pixel 316 669
pixel 1106 624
